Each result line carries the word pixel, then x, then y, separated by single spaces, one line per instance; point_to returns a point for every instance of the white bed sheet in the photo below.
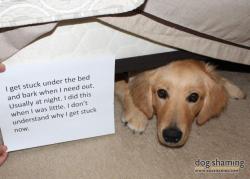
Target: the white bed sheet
pixel 81 37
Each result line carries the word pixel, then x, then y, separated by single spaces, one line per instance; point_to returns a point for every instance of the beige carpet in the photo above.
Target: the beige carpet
pixel 127 155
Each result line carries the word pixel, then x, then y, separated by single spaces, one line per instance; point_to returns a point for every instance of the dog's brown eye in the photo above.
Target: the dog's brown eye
pixel 193 97
pixel 162 93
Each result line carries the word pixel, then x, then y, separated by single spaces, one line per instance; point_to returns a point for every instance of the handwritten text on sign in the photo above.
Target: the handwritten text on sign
pixel 55 102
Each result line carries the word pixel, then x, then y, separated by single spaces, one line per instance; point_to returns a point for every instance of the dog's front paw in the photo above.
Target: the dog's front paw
pixel 135 120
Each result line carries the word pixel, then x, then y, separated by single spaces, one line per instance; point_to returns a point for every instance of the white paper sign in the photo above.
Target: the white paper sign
pixel 47 103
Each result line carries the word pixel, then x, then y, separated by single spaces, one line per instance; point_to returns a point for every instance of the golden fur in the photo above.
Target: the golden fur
pixel 180 79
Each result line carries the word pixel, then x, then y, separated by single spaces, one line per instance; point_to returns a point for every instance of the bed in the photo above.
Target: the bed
pixel 125 28
pixel 132 30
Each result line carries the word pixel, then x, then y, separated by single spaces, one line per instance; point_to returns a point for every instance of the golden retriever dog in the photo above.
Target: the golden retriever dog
pixel 177 94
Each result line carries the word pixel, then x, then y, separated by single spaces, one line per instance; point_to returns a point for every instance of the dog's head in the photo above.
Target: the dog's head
pixel 178 93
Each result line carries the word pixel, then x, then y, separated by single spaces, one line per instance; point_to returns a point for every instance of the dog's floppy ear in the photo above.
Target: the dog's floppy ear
pixel 141 92
pixel 215 98
pixel 233 91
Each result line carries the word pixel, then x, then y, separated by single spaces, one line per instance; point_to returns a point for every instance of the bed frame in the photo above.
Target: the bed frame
pixel 147 62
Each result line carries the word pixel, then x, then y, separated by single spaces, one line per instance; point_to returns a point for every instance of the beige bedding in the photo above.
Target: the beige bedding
pixel 225 19
pixel 145 27
pixel 218 29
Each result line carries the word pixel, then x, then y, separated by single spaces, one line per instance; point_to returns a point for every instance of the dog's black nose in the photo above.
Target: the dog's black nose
pixel 172 135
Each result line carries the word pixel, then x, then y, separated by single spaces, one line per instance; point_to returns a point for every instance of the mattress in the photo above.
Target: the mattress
pixel 83 37
pixel 26 12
